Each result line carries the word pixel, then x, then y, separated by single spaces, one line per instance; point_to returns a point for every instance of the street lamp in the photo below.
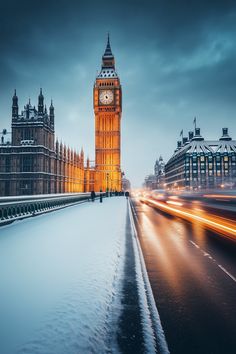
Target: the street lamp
pixel 107 182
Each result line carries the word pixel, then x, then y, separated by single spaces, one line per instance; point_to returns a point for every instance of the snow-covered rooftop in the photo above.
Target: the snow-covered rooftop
pixel 206 146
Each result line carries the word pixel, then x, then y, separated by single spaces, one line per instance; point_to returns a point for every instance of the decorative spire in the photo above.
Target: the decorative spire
pixel 57 145
pixel 51 109
pixel 51 114
pixel 41 94
pixel 108 60
pixel 15 107
pixel 88 162
pixel 108 52
pixel 82 153
pixel 40 102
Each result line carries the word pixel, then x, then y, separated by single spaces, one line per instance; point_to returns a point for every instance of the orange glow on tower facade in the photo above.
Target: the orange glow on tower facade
pixel 107 98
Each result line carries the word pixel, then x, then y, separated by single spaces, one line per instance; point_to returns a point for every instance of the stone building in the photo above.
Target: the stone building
pixel 159 172
pixel 201 164
pixel 126 185
pixel 34 163
pixel 156 180
pixel 150 182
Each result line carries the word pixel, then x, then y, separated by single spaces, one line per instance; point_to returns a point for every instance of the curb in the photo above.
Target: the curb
pixel 154 335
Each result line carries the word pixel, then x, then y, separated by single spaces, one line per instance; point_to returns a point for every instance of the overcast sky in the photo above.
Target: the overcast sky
pixel 176 60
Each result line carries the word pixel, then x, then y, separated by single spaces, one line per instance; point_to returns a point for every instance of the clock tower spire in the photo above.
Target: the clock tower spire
pixel 108 60
pixel 107 110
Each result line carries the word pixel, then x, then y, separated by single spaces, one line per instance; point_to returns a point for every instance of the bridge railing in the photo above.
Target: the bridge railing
pixel 14 208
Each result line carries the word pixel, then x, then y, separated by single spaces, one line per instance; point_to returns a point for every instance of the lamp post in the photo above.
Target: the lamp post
pixel 107 184
pixel 111 190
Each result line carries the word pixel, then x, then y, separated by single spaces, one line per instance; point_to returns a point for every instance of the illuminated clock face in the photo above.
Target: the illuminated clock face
pixel 106 97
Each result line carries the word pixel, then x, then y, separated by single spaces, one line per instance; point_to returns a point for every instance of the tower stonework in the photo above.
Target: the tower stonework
pixel 107 109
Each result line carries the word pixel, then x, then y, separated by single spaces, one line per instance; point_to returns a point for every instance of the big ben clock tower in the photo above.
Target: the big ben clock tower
pixel 107 110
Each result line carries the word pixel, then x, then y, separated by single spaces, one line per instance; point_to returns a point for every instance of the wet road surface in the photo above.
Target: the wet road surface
pixel 193 277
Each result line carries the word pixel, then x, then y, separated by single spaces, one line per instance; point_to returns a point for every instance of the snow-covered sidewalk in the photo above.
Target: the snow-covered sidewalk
pixel 69 283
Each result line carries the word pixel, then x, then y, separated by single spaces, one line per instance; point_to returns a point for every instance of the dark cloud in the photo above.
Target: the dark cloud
pixel 176 59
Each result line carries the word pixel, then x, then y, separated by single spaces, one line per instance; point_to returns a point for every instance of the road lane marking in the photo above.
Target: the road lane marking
pixel 211 258
pixel 194 244
pixel 228 273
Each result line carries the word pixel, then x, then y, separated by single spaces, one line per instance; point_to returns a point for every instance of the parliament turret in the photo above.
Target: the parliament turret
pixel 15 108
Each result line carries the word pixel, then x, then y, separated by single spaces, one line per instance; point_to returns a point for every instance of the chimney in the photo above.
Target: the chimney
pixel 197 135
pixel 225 135
pixel 224 131
pixel 185 140
pixel 190 135
pixel 197 132
pixel 179 144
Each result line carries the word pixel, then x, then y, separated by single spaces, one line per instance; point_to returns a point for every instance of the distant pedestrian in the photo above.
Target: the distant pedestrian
pixel 100 196
pixel 93 196
pixel 127 194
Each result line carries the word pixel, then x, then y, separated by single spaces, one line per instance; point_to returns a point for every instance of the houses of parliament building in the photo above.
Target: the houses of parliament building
pixel 35 163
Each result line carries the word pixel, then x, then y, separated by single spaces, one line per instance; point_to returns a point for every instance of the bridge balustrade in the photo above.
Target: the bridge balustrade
pixel 15 208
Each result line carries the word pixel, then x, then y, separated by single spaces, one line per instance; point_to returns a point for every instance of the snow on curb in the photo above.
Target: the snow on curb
pixel 154 336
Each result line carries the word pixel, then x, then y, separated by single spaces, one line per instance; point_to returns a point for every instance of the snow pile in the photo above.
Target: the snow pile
pixel 58 279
